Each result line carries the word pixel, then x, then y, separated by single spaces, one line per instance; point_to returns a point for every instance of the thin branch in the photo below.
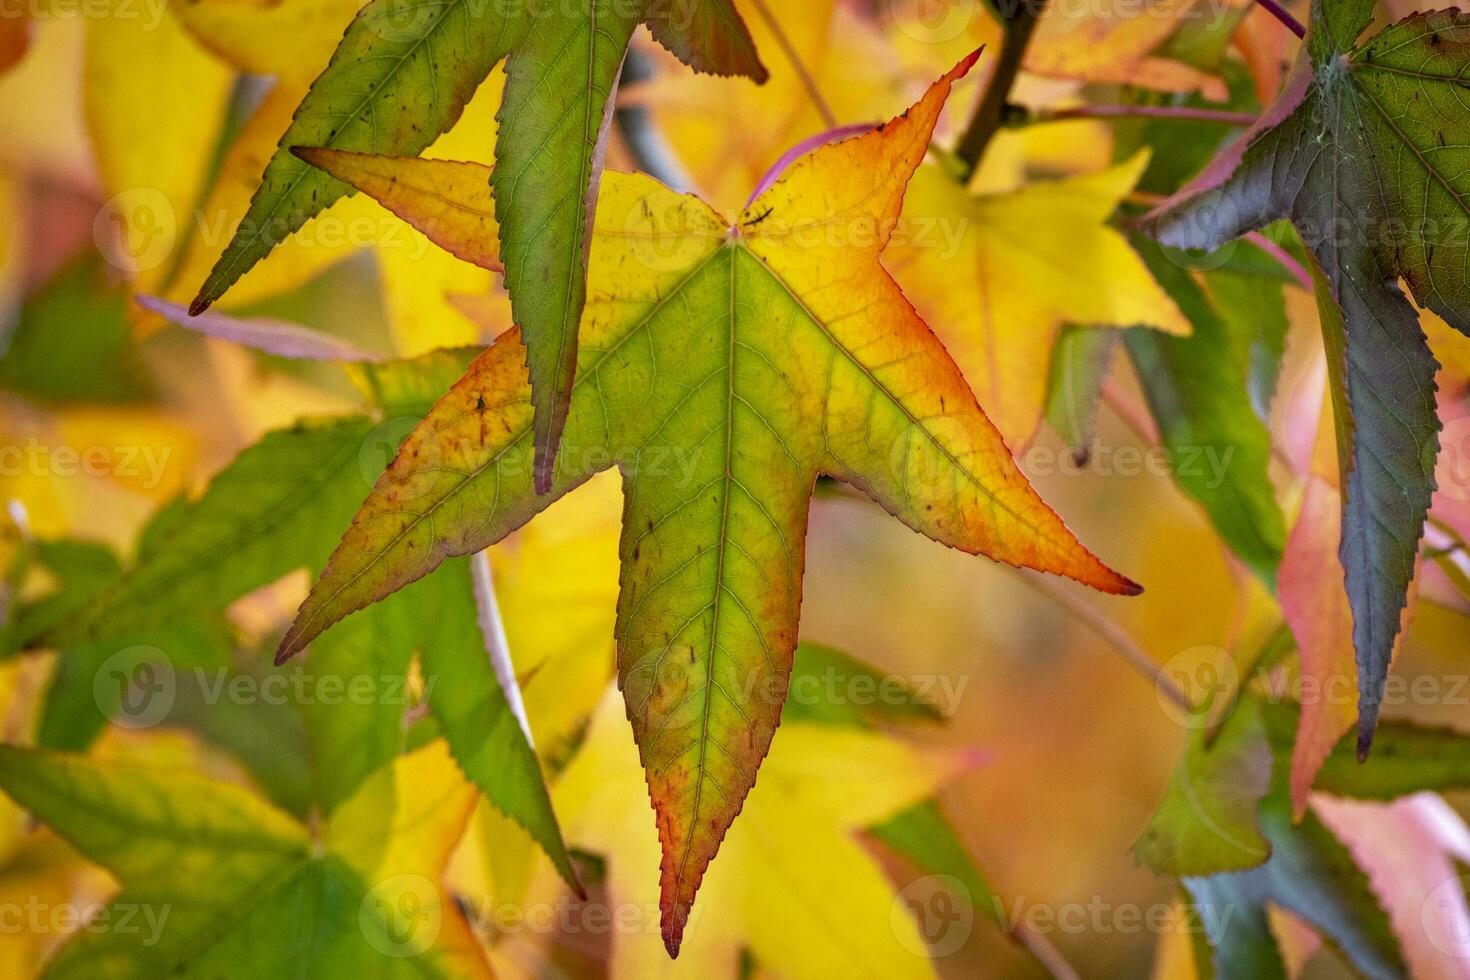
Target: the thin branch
pixel 1019 25
pixel 1031 117
pixel 1110 631
pixel 1134 654
pixel 1284 15
pixel 802 149
pixel 1045 953
pixel 807 81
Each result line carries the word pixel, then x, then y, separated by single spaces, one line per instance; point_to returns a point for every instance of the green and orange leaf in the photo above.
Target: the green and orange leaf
pixel 723 367
pixel 403 74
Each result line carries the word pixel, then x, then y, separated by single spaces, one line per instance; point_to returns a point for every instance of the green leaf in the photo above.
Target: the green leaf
pixel 1206 823
pixel 266 735
pixel 924 836
pixel 1407 759
pixel 410 386
pixel 73 343
pixel 1357 155
pixel 214 881
pixel 277 508
pixel 488 737
pixel 1310 874
pixel 1079 366
pixel 402 75
pixel 355 698
pixel 1255 313
pixel 1199 390
pixel 834 688
pixel 117 679
pixel 82 570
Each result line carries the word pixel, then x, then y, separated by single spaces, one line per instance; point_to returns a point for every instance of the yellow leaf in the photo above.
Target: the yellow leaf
pixel 797 355
pixel 293 38
pixel 998 275
pixel 155 105
pixel 792 851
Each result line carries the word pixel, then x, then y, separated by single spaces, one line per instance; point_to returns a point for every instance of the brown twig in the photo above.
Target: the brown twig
pixel 1036 116
pixel 807 81
pixel 1019 24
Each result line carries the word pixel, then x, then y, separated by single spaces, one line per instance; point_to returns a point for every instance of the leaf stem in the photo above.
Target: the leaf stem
pixel 1282 256
pixel 1284 15
pixel 807 81
pixel 1018 24
pixel 1045 953
pixel 1035 116
pixel 1106 629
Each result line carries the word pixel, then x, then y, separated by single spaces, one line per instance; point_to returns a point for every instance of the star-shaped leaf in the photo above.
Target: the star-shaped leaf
pixel 722 369
pixel 402 75
pixel 1362 155
pixel 1030 261
pixel 216 882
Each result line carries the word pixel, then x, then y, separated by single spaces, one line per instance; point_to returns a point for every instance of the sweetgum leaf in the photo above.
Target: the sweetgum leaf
pixel 1357 154
pixel 216 882
pixel 1311 874
pixel 276 509
pixel 1226 828
pixel 722 370
pixel 402 75
pixel 272 511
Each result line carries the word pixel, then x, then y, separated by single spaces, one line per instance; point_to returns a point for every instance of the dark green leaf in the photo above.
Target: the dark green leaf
pixel 1357 154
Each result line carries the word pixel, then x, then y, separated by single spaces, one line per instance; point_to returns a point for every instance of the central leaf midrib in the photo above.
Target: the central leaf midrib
pixel 724 533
